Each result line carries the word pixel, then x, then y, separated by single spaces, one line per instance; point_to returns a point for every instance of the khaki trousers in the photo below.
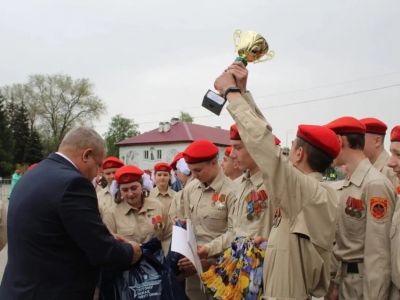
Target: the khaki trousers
pixel 394 293
pixel 351 284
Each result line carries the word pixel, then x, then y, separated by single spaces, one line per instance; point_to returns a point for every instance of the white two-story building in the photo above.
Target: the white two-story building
pixel 161 144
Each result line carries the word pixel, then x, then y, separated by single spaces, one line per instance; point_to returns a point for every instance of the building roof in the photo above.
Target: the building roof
pixel 180 132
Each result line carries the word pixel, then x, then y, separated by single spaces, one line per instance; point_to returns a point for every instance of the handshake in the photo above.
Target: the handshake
pixel 137 250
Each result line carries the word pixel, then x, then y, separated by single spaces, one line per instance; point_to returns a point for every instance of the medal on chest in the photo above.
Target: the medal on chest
pixel 256 203
pixel 354 207
pixel 157 221
pixel 218 200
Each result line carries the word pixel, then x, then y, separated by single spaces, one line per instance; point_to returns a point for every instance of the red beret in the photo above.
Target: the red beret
pixel 373 125
pixel 234 133
pixel 199 151
pixel 177 157
pixel 127 174
pixel 162 166
pixel 346 125
pixel 277 141
pixel 147 171
pixel 228 151
pixel 395 134
pixel 320 137
pixel 112 162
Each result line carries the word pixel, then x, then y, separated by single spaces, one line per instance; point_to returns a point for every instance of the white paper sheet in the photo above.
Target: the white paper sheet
pixel 191 239
pixel 180 244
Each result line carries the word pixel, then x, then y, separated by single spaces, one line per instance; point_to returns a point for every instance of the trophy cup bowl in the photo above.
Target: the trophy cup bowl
pixel 251 47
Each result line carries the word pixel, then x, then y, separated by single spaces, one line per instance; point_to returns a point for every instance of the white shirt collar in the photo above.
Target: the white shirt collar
pixel 64 156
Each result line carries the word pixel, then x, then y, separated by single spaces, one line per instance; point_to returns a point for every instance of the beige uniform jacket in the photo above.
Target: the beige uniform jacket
pixel 211 210
pixel 3 224
pixel 105 200
pixel 381 165
pixel 164 198
pixel 395 245
pixel 177 209
pixel 137 225
pixel 364 236
pixel 253 219
pixel 297 258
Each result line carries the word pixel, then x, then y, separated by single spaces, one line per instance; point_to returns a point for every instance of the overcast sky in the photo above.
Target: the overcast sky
pixel 149 60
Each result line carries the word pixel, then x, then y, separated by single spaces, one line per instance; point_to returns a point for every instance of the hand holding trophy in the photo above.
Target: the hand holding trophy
pixel 251 47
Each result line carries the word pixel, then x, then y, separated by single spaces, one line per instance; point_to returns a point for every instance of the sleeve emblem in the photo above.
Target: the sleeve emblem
pixel 378 207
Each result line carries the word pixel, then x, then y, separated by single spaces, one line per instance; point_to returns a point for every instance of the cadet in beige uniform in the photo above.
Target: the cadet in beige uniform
pixel 230 167
pixel 374 148
pixel 105 199
pixel 297 258
pixel 135 217
pixel 365 212
pixel 394 163
pixel 254 210
pixel 209 203
pixel 183 174
pixel 162 191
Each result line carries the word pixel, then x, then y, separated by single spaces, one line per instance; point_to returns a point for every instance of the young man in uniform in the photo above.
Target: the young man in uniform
pixel 110 165
pixel 209 202
pixel 254 210
pixel 297 258
pixel 230 167
pixel 374 149
pixel 394 163
pixel 366 205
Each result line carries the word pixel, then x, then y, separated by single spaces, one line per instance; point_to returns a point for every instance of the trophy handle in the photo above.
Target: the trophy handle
pixel 236 37
pixel 268 56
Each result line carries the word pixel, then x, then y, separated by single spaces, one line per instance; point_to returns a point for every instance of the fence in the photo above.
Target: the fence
pixel 5 187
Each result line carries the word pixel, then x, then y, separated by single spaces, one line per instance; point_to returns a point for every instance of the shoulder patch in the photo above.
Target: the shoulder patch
pixel 378 207
pixel 398 190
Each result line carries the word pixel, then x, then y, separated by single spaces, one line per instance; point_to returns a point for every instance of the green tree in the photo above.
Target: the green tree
pixel 186 117
pixel 6 141
pixel 21 132
pixel 119 129
pixel 56 103
pixel 34 151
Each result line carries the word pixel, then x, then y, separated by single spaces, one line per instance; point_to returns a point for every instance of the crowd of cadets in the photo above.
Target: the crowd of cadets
pixel 323 238
pixel 334 239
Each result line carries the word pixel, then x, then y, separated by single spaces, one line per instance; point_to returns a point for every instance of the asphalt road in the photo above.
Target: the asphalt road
pixel 3 261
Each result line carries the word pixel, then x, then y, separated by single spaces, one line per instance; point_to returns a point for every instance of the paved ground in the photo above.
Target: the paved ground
pixel 3 261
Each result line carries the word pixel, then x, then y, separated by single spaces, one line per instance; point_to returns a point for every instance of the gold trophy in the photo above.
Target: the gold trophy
pixel 251 47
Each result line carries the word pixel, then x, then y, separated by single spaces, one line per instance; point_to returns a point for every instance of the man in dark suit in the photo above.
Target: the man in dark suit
pixel 56 239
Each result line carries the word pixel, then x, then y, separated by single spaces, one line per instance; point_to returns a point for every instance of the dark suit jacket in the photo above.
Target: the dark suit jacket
pixel 56 239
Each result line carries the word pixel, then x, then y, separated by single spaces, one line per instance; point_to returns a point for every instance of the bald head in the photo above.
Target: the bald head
pixel 82 138
pixel 85 148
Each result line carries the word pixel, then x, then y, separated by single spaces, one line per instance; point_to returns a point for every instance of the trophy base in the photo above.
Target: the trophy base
pixel 243 60
pixel 213 102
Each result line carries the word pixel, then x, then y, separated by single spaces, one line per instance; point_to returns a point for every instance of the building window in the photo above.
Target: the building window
pixel 146 154
pixel 159 154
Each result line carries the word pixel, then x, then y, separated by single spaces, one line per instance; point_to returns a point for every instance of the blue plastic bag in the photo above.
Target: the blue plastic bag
pixel 151 278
